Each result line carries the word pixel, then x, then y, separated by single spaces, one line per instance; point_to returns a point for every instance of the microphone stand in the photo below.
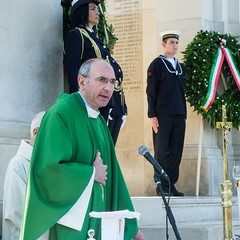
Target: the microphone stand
pixel 168 209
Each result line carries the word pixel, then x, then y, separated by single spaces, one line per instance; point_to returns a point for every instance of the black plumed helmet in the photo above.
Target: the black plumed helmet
pixel 77 4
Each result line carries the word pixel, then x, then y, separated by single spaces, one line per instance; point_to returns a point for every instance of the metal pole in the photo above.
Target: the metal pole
pixel 226 185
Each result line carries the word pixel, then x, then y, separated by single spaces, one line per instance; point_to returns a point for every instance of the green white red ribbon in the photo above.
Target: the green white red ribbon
pixel 223 52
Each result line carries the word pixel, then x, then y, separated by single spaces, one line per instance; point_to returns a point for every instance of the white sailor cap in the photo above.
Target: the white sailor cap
pixel 170 34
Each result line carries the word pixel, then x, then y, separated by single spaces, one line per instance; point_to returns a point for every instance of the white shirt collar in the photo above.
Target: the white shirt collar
pixel 89 29
pixel 92 113
pixel 25 150
pixel 172 61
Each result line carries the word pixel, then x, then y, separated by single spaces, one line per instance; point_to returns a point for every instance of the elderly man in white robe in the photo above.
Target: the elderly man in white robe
pixel 15 184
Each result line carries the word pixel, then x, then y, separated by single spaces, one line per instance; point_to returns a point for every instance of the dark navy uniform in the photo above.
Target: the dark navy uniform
pixel 166 101
pixel 80 45
pixel 78 49
pixel 120 107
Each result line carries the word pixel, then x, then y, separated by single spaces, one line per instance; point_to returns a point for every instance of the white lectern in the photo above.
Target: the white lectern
pixel 112 226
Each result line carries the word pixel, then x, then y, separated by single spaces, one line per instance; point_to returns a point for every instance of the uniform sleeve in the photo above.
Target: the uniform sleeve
pixel 73 51
pixel 151 90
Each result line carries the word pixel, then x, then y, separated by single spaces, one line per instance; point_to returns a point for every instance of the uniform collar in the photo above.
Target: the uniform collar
pixel 89 29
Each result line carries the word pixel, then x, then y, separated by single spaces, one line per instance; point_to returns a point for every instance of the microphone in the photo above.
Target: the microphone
pixel 142 150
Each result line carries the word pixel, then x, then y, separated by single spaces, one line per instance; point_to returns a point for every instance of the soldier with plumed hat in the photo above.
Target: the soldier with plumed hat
pixel 167 110
pixel 77 4
pixel 81 44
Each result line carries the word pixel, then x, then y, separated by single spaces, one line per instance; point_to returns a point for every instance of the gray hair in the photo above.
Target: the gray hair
pixel 85 67
pixel 36 121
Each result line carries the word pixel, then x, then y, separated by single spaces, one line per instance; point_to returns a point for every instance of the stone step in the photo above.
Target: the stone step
pixel 196 231
pixel 196 218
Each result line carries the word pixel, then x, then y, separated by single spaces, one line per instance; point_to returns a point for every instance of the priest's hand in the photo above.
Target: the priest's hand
pixel 100 170
pixel 140 236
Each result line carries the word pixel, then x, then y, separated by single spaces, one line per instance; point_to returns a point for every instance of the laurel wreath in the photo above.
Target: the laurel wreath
pixel 198 60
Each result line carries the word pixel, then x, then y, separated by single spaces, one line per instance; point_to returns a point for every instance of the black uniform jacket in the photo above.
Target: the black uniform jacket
pixel 78 48
pixel 165 88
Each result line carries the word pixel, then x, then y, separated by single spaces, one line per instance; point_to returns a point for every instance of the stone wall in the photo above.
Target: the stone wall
pixel 31 74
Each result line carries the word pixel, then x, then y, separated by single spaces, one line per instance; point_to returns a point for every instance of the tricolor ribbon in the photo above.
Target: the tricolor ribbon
pixel 223 52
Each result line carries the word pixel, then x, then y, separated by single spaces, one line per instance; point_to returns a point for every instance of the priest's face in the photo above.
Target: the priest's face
pixel 97 88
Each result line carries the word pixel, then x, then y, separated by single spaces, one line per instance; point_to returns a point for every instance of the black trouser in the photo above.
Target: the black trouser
pixel 168 145
pixel 115 126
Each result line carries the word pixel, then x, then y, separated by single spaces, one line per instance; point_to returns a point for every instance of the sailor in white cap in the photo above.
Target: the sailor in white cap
pixel 167 110
pixel 170 34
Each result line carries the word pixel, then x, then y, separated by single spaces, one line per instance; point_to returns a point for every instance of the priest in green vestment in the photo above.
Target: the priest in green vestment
pixel 74 169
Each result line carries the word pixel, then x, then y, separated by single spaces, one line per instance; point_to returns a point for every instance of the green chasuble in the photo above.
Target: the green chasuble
pixel 61 168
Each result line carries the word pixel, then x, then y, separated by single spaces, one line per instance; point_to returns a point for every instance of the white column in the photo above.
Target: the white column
pixel 31 74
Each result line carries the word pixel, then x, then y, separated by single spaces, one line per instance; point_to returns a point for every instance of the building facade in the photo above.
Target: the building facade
pixel 31 76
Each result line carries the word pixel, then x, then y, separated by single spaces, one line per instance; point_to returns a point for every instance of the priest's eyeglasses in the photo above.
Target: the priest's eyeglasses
pixel 103 80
